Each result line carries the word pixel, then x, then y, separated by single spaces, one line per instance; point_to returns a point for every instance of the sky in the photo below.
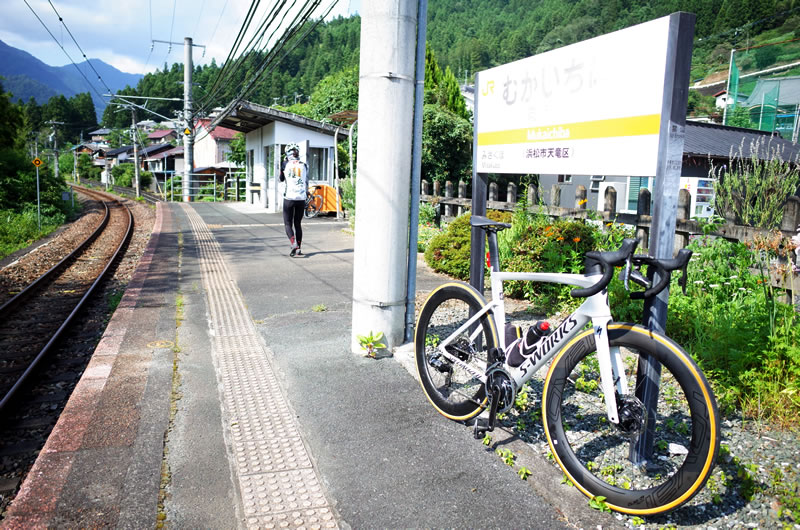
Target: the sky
pixel 120 32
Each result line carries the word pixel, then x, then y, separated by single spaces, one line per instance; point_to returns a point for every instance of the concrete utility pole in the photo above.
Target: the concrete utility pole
pixel 55 143
pixel 188 129
pixel 385 104
pixel 135 151
pixel 188 136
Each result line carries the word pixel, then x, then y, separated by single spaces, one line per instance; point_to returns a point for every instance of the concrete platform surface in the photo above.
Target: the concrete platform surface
pixel 224 395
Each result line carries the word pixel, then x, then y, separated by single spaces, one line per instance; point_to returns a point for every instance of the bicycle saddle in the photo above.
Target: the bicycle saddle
pixel 487 224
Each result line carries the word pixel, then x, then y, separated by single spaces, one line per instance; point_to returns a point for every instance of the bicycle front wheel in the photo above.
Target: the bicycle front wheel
pixel 313 206
pixel 594 453
pixel 452 384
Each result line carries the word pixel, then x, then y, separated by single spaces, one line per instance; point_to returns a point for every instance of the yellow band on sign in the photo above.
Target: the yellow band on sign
pixel 585 130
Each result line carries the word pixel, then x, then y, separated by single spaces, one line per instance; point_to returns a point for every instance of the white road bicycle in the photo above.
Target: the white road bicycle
pixel 590 410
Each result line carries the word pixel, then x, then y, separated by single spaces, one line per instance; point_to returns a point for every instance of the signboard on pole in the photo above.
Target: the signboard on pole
pixel 591 108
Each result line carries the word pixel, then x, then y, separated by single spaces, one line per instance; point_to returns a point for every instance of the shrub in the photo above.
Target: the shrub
pixel 449 251
pixel 427 213
pixel 730 321
pixel 547 246
pixel 425 233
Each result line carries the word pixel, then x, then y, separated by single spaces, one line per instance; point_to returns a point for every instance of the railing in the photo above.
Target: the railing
pixel 450 204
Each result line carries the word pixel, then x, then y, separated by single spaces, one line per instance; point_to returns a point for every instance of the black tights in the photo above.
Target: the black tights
pixel 292 215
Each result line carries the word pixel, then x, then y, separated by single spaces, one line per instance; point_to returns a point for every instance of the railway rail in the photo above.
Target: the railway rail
pixel 34 320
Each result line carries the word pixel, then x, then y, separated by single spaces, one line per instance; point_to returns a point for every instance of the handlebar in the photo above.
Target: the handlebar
pixel 663 269
pixel 605 261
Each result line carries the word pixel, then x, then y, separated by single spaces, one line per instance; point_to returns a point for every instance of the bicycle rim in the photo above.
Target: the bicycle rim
pixel 450 387
pixel 595 454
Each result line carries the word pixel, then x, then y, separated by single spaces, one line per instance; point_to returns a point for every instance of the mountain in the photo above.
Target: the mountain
pixel 27 77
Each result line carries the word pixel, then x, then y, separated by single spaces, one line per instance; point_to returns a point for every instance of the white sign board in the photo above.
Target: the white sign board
pixel 592 108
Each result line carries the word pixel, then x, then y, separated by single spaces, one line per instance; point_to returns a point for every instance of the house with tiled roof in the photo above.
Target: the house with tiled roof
pixel 163 136
pixel 706 146
pixel 211 146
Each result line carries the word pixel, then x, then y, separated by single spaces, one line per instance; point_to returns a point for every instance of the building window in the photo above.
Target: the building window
pixel 596 180
pixel 317 163
pixel 565 179
pixel 249 165
pixel 635 185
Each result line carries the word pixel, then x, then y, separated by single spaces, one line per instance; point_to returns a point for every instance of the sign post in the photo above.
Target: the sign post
pixel 665 207
pixel 575 111
pixel 38 162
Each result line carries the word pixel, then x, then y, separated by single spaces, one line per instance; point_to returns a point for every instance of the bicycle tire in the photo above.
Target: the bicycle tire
pixel 593 453
pixel 313 206
pixel 451 389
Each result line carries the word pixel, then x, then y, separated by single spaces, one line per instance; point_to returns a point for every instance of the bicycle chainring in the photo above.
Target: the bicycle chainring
pixel 497 377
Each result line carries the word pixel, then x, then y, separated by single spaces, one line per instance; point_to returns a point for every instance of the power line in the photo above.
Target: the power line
pixel 270 62
pixel 62 49
pixel 60 19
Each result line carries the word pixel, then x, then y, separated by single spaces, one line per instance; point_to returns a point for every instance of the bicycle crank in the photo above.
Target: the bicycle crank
pixel 501 393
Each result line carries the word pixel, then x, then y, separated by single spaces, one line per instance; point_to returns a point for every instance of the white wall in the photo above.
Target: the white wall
pixel 277 133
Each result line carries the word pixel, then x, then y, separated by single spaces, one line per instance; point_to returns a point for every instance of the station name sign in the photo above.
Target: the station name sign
pixel 591 108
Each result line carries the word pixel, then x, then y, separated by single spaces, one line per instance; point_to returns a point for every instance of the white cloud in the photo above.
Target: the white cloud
pixel 120 32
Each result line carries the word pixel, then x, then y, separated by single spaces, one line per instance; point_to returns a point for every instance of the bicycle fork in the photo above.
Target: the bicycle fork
pixel 612 371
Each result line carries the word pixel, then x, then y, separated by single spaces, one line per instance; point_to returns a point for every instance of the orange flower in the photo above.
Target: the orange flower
pixel 560 238
pixel 576 239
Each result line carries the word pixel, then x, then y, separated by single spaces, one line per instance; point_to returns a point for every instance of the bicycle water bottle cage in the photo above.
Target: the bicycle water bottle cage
pixel 487 224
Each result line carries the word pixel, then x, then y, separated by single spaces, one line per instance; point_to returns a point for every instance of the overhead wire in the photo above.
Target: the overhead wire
pixel 242 58
pixel 65 51
pixel 227 65
pixel 257 40
pixel 213 33
pixel 64 24
pixel 270 62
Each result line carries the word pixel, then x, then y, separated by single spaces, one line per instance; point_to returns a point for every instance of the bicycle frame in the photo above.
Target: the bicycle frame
pixel 595 309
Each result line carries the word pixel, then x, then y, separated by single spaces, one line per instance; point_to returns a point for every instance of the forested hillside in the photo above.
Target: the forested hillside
pixel 471 35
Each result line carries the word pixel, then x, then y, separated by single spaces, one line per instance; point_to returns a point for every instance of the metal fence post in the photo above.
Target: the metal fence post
pixel 662 233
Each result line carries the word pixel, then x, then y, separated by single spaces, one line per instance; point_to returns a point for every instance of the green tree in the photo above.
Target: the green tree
pixel 238 152
pixel 740 117
pixel 446 145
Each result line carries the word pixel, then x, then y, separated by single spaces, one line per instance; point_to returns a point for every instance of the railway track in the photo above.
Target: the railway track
pixel 48 332
pixel 33 320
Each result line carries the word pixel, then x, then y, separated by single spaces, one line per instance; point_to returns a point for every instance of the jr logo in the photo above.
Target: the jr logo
pixel 488 88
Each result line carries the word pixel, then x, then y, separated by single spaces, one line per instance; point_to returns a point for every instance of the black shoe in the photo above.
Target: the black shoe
pixel 299 252
pixel 295 248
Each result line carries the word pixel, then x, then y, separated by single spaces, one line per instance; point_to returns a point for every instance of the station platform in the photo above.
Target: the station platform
pixel 224 394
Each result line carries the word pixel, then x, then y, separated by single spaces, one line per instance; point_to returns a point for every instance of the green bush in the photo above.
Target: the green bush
pixel 20 229
pixel 449 251
pixel 427 213
pixel 547 246
pixel 124 174
pixel 731 322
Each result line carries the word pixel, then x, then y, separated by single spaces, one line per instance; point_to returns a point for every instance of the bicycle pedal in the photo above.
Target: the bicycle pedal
pixel 481 428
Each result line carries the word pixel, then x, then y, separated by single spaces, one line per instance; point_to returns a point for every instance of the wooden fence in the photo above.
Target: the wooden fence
pixel 455 202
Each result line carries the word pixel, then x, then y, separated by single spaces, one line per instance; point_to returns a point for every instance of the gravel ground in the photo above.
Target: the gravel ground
pixel 755 484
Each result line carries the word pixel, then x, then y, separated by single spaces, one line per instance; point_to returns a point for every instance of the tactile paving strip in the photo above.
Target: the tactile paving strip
pixel 278 483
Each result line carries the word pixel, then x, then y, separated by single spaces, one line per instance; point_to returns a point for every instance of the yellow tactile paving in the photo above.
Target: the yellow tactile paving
pixel 278 483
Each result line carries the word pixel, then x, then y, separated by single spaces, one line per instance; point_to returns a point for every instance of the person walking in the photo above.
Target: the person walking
pixel 294 175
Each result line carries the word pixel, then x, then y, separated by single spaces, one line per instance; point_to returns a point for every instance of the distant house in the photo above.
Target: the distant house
pixel 100 135
pixel 163 136
pixel 211 146
pixel 165 164
pixel 267 132
pixel 705 144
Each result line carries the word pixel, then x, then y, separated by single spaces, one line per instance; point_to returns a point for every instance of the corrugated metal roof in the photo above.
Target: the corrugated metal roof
pixel 719 141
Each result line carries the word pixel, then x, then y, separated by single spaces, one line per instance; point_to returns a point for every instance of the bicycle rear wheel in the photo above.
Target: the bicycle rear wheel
pixel 594 453
pixel 453 387
pixel 313 206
